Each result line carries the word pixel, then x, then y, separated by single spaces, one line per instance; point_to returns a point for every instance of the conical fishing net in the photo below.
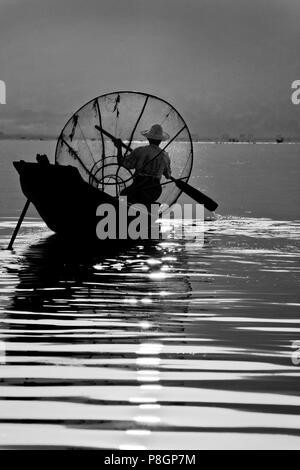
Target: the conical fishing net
pixel 124 115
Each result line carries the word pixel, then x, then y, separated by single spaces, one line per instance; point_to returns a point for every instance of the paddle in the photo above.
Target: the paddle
pixel 17 228
pixel 114 139
pixel 194 193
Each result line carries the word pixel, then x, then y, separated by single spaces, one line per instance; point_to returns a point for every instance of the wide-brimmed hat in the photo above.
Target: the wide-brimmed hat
pixel 156 133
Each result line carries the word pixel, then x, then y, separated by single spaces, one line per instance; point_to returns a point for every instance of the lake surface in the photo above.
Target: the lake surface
pixel 177 345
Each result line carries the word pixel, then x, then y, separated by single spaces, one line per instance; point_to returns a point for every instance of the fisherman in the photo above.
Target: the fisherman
pixel 150 163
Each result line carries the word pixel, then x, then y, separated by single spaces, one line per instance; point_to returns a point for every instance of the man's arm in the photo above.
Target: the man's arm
pixel 167 170
pixel 130 160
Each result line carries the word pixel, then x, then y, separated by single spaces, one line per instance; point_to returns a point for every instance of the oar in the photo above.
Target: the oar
pixel 113 138
pixel 17 228
pixel 194 193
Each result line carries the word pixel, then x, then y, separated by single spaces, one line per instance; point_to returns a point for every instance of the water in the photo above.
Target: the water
pixel 169 346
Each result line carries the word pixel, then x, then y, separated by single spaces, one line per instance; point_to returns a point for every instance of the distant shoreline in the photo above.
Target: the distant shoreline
pixel 200 141
pixel 17 137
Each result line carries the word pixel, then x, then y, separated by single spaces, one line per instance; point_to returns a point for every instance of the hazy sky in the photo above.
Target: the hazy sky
pixel 226 65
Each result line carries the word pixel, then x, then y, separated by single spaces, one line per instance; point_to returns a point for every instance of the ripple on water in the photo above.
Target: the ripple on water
pixel 171 345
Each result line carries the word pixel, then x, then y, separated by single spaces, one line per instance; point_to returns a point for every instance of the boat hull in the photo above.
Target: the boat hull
pixel 65 202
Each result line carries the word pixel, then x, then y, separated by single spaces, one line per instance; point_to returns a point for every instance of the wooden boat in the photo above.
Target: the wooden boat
pixel 65 202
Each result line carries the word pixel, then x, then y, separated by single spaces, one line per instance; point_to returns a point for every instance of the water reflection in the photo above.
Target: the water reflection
pixel 167 345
